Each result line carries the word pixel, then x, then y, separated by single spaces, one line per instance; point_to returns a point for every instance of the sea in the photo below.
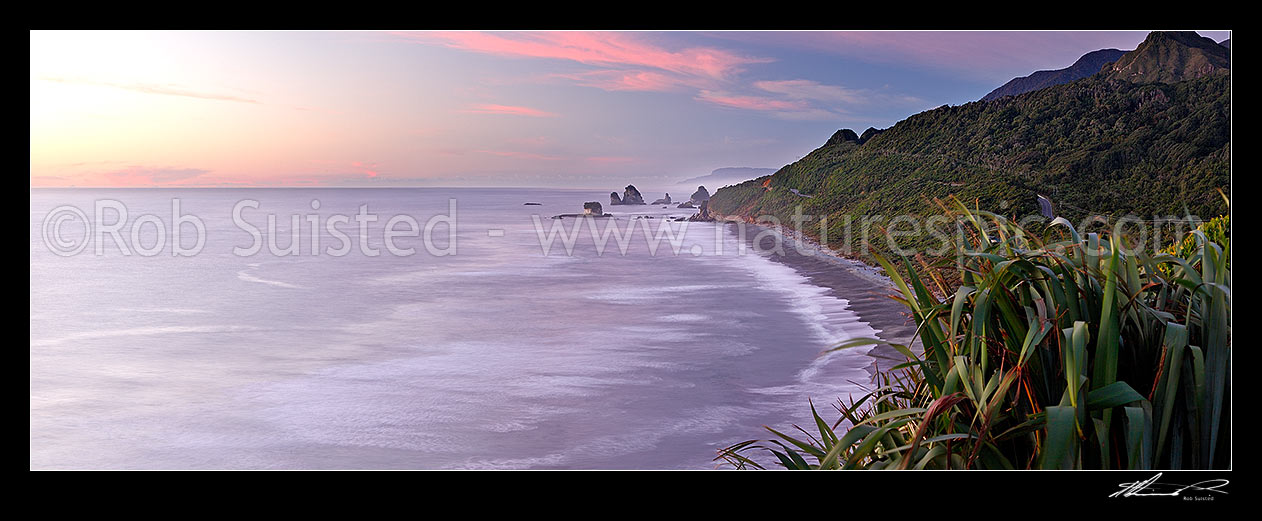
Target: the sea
pixel 413 328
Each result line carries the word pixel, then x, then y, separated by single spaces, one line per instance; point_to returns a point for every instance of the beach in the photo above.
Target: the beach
pixel 866 289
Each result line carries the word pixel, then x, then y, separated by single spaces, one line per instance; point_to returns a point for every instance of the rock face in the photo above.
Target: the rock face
pixel 1087 65
pixel 700 195
pixel 664 200
pixel 629 196
pixel 704 214
pixel 869 134
pixel 1170 57
pixel 842 136
pixel 846 135
pixel 686 204
pixel 632 196
pixel 592 208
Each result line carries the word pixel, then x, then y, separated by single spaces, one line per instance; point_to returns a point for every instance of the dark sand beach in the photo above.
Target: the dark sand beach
pixel 863 286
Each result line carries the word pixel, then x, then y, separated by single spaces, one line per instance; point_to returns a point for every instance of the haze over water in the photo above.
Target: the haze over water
pixel 495 357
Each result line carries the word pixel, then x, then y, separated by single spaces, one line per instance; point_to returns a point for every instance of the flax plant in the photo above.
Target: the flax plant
pixel 1056 351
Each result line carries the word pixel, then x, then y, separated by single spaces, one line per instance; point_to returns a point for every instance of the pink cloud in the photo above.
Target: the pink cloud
pixel 628 61
pixel 594 48
pixel 368 169
pixel 487 108
pixel 619 80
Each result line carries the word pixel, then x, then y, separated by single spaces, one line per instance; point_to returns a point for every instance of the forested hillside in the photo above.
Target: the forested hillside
pixel 1099 145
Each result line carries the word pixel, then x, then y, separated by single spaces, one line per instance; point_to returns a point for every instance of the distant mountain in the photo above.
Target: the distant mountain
pixel 1087 65
pixel 1170 57
pixel 726 176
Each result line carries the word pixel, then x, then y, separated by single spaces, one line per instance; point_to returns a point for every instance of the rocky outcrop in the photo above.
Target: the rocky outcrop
pixel 704 214
pixel 593 208
pixel 700 195
pixel 846 135
pixel 1171 57
pixel 686 204
pixel 632 196
pixel 664 200
pixel 629 196
pixel 842 136
pixel 869 134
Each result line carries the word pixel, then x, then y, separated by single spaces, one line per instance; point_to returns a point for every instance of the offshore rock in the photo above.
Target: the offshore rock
pixel 632 196
pixel 700 195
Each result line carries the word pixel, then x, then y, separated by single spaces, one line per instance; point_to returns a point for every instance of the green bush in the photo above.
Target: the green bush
pixel 1056 352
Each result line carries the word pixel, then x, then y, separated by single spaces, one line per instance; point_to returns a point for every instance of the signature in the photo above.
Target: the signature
pixel 1151 487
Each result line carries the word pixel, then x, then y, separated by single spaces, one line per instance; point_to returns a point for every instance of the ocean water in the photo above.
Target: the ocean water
pixel 496 355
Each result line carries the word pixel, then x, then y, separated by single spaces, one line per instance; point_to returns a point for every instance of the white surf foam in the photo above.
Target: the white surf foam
pixel 828 318
pixel 245 275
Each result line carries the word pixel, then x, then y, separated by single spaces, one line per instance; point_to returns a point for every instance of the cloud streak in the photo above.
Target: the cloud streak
pixel 509 110
pixel 746 102
pixel 155 88
pixel 801 99
pixel 624 61
pixel 626 80
pixel 595 48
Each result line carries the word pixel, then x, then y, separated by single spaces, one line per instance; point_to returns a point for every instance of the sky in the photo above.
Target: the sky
pixel 524 109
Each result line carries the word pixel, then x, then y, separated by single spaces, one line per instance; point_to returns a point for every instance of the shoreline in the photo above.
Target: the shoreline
pixel 864 287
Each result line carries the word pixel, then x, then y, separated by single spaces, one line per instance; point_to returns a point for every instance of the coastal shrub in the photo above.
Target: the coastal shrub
pixel 1055 351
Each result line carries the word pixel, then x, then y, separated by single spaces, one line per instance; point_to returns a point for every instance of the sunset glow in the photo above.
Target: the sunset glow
pixel 573 109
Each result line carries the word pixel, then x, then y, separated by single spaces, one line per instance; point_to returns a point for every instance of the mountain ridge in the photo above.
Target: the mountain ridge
pixel 1086 65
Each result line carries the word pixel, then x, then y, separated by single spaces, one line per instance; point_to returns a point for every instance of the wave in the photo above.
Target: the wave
pixel 828 318
pixel 137 331
pixel 245 276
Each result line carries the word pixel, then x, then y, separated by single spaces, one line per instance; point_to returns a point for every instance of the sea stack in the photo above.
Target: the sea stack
pixel 614 200
pixel 632 196
pixel 593 208
pixel 700 195
pixel 664 200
